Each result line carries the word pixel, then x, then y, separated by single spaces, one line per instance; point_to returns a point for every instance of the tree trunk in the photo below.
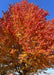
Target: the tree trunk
pixel 27 73
pixel 37 73
pixel 32 73
pixel 24 73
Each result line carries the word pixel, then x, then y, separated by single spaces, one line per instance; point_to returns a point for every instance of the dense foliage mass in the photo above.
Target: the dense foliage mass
pixel 26 39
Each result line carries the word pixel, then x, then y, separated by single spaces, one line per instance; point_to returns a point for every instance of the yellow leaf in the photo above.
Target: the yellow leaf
pixel 18 34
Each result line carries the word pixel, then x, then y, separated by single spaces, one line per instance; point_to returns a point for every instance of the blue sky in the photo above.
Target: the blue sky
pixel 45 4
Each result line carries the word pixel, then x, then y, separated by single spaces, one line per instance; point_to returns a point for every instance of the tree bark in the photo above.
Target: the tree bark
pixel 27 73
pixel 24 72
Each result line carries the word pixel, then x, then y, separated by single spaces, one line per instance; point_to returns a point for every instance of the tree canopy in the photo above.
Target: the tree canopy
pixel 26 39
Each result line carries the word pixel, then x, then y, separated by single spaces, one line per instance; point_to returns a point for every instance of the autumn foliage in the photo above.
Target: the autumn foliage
pixel 26 38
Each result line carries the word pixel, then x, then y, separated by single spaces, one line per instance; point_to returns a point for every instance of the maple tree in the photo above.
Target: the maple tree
pixel 26 39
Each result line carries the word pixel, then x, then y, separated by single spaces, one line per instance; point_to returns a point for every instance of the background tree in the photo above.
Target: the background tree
pixel 26 39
